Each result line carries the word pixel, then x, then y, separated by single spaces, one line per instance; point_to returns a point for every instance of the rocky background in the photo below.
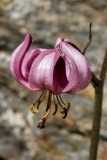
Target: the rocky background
pixel 46 20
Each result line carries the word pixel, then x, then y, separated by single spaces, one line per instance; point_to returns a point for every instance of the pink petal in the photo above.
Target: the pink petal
pixel 28 60
pixel 83 72
pixel 16 61
pixel 59 40
pixel 52 72
pixel 41 73
pixel 65 76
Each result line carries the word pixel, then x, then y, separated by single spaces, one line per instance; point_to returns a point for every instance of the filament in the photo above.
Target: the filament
pixel 57 99
pixel 66 108
pixel 62 100
pixel 56 106
pixel 38 102
pixel 47 112
pixel 66 105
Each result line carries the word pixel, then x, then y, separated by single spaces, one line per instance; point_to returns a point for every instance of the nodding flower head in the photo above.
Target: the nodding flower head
pixel 62 69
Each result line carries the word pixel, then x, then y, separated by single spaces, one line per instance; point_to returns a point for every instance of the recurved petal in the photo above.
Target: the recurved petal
pixel 65 76
pixel 16 61
pixel 59 40
pixel 83 72
pixel 41 72
pixel 28 60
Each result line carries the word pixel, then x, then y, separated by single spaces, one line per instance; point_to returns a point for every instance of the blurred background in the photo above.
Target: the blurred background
pixel 46 20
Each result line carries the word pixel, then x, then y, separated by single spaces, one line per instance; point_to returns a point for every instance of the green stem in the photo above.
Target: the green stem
pixel 96 121
pixel 97 114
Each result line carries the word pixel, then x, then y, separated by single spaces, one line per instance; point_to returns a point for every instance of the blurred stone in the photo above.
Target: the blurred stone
pixel 62 138
pixel 89 92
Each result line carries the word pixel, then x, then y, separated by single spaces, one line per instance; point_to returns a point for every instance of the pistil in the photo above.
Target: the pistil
pixel 41 123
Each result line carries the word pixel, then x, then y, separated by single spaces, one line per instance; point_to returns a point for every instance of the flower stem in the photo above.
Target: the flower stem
pixel 96 121
pixel 98 84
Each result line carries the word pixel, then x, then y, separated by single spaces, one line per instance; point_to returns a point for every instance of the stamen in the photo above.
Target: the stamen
pixel 65 112
pixel 41 123
pixel 38 102
pixel 59 101
pixel 31 108
pixel 66 108
pixel 69 105
pixel 46 114
pixel 56 106
pixel 64 102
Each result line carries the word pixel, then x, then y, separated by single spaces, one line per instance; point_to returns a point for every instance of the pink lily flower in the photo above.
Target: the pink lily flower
pixel 60 70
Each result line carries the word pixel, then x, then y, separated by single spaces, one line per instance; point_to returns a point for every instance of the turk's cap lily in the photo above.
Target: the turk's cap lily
pixel 62 69
pixel 59 70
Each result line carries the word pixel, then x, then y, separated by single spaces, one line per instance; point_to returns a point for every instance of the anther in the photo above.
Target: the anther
pixel 65 112
pixel 38 102
pixel 31 108
pixel 46 114
pixel 65 108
